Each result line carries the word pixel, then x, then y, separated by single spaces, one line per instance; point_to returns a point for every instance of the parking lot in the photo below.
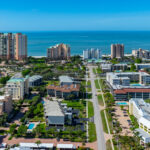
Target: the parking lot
pixel 124 119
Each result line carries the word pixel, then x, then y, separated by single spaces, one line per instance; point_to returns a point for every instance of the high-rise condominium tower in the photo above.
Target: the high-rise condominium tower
pixel 117 51
pixel 13 46
pixel 59 52
pixel 92 54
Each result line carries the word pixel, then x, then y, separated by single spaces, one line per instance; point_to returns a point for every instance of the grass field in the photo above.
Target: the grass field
pixel 89 86
pixel 98 70
pixel 92 132
pixel 90 109
pixel 96 84
pixel 94 70
pixel 100 100
pixel 104 121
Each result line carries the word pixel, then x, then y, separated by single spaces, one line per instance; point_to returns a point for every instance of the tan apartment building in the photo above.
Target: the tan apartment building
pixel 5 104
pixel 18 87
pixel 117 51
pixel 59 52
pixel 141 53
pixel 13 46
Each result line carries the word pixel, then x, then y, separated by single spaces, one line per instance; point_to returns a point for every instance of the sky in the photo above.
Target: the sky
pixel 73 15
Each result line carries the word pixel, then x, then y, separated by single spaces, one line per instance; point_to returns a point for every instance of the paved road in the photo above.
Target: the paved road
pixel 97 117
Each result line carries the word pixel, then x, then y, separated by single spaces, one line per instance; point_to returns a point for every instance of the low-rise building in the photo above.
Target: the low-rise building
pixel 141 110
pixel 120 66
pixel 5 104
pixel 142 66
pixel 35 80
pixel 123 90
pixel 66 88
pixel 32 146
pixel 54 114
pixel 106 67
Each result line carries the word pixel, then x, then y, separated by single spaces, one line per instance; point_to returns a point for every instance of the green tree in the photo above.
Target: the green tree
pixel 22 130
pixel 38 143
pixel 3 119
pixel 12 129
pixel 25 72
pixel 138 60
pixel 133 67
pixel 3 80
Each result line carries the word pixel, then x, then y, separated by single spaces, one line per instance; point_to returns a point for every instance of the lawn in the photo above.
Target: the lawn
pixel 94 70
pixel 108 145
pixel 92 132
pixel 52 82
pixel 147 100
pixel 90 109
pixel 97 84
pixel 100 100
pixel 88 86
pixel 77 104
pixel 104 121
pixel 99 70
pixel 134 122
pixel 109 118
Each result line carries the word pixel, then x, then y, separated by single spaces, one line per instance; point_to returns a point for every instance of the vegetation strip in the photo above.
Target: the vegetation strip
pixel 90 109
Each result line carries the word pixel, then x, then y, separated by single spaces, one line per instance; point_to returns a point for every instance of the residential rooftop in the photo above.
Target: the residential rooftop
pixel 143 106
pixel 53 108
pixel 35 77
pixel 65 79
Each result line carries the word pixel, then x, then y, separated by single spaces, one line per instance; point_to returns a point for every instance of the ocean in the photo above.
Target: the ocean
pixel 38 42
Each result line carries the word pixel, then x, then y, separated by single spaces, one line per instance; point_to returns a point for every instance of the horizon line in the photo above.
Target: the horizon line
pixel 74 31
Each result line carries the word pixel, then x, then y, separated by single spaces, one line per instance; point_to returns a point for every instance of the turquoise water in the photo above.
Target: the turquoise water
pixel 38 42
pixel 121 103
pixel 42 102
pixel 31 126
pixel 135 84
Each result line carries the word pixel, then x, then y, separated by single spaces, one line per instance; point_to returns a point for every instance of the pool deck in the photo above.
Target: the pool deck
pixel 127 103
pixel 35 124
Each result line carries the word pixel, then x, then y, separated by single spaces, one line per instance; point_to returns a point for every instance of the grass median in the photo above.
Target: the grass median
pixel 97 84
pixel 89 86
pixel 104 121
pixel 100 100
pixel 90 109
pixel 94 70
pixel 92 132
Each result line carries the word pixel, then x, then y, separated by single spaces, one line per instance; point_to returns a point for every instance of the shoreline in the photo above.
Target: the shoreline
pixel 81 55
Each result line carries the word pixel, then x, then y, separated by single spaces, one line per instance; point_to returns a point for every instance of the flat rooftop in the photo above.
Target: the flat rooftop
pixel 53 108
pixel 142 133
pixel 143 106
pixel 35 77
pixel 65 79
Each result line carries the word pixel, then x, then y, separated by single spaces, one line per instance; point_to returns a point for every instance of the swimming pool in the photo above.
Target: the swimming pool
pixel 135 84
pixel 31 126
pixel 122 103
pixel 42 102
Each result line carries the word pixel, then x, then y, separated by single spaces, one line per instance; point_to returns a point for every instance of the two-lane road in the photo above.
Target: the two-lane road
pixel 97 117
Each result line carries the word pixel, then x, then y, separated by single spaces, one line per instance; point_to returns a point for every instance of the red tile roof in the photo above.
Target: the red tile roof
pixel 134 90
pixel 65 88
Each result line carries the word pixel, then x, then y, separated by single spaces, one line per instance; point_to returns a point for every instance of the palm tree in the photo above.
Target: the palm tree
pixel 38 143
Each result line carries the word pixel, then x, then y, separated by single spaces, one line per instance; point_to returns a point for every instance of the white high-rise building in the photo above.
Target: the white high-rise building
pixel 92 54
